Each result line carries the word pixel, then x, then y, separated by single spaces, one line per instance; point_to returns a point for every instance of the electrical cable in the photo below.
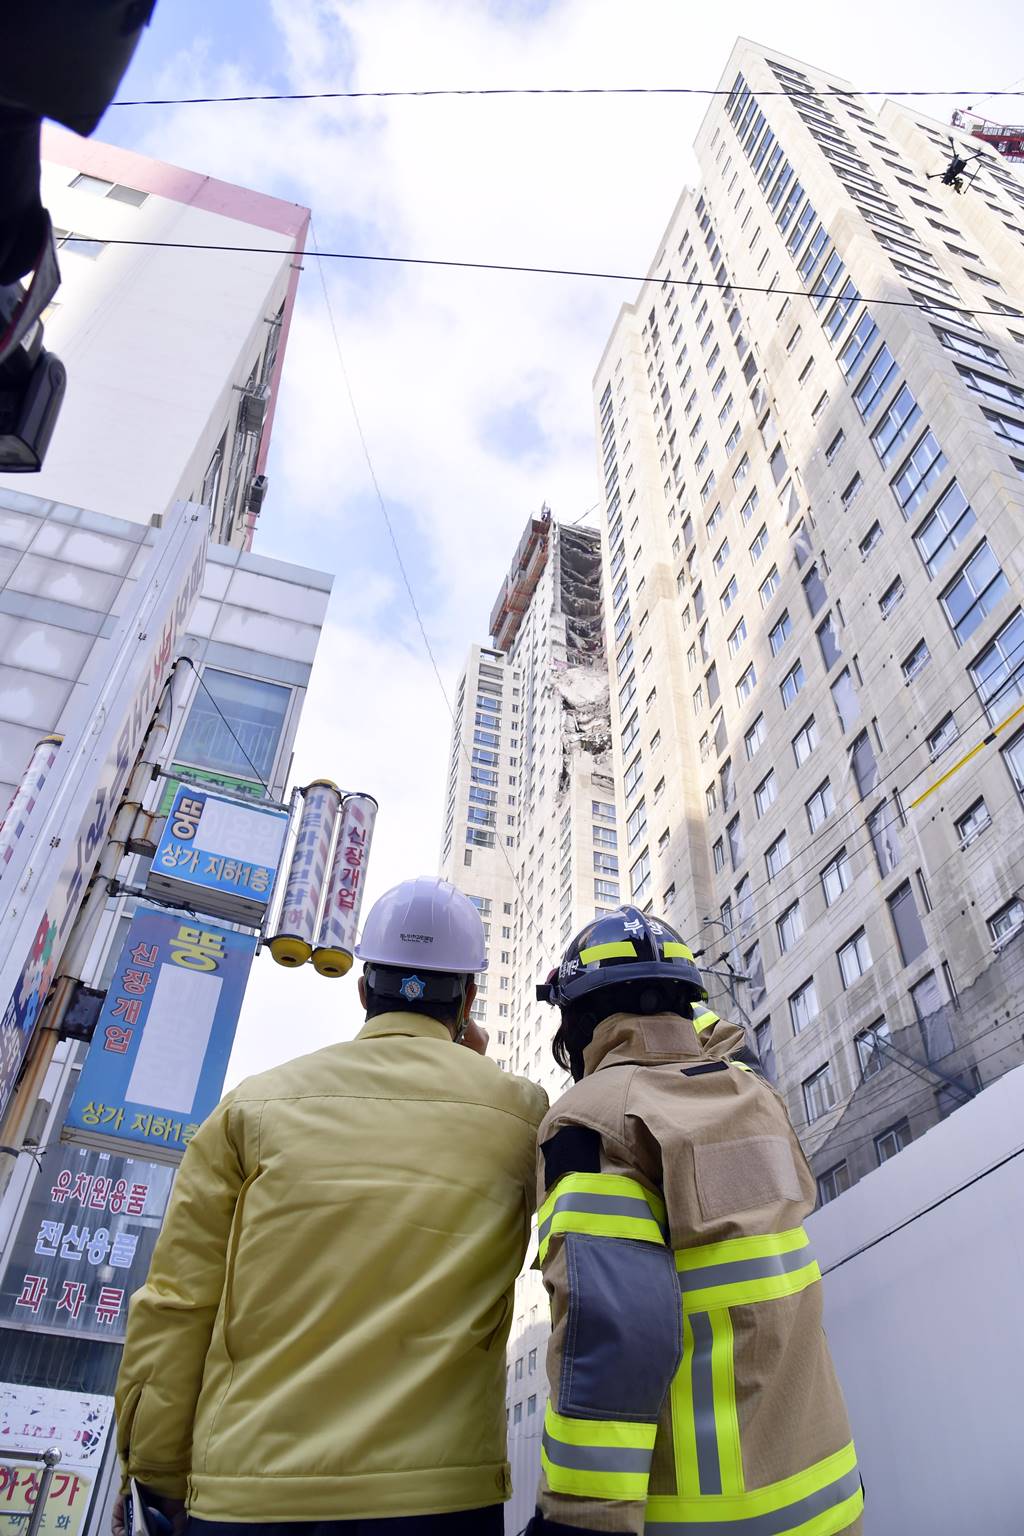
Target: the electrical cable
pixel 967 1184
pixel 500 266
pixel 227 723
pixel 539 90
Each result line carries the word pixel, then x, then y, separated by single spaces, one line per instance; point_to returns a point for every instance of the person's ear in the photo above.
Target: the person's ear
pixel 362 991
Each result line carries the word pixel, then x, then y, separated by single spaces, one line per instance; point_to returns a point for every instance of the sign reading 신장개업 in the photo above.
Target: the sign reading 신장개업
pixel 219 855
pixel 156 1065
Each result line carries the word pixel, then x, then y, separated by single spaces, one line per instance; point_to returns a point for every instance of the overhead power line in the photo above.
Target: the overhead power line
pixel 506 266
pixel 539 90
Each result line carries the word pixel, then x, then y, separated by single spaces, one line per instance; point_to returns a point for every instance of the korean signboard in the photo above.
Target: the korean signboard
pixel 32 1419
pixel 207 779
pixel 156 1065
pixel 219 855
pixel 84 1243
pixel 43 883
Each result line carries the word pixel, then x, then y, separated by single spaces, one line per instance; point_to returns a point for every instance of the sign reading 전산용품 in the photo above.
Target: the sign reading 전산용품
pixel 156 1065
pixel 219 855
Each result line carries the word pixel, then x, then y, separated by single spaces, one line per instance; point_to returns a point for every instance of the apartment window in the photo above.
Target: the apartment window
pixel 746 684
pixel 737 637
pixel 721 555
pixel 729 595
pixel 1005 924
pixel 235 725
pixel 814 587
pixel 777 856
pixel 852 491
pixel 910 934
pixel 789 927
pixel 749 507
pixel 881 373
pixel 517 1408
pixel 974 592
pixel 734 833
pixel 777 465
pixel 891 597
pixel 806 371
pixel 805 741
pixel 792 684
pixel 992 389
pixel 819 1093
pixel 836 877
pixel 640 876
pixel 754 738
pixel 606 890
pixel 892 1141
pixel 766 793
pixel 870 539
pixel 845 699
pixel 698 698
pixel 871 1043
pixel 636 823
pixel 659 790
pixel 78 245
pixel 885 841
pixel 856 345
pixel 834 1181
pixel 780 633
pixel 834 446
pixel 718 850
pixel 969 346
pixel 820 805
pixel 864 765
pixel 895 426
pixel 769 586
pixel 917 660
pixel 918 474
pixel 943 736
pixel 759 545
pixel 711 797
pixel 633 777
pixel 854 958
pixel 998 673
pixel 803 1006
pixel 944 528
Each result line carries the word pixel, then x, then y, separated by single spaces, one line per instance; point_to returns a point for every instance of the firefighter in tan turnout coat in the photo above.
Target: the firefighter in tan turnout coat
pixel 692 1390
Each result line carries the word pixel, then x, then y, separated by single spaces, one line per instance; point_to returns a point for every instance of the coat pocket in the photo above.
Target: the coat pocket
pixel 743 1175
pixel 231 1258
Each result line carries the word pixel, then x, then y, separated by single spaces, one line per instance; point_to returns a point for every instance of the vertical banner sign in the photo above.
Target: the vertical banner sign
pixel 44 881
pixel 26 796
pixel 84 1243
pixel 156 1065
pixel 296 928
pixel 337 939
pixel 219 855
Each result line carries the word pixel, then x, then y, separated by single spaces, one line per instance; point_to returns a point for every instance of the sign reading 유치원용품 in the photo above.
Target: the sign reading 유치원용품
pixel 219 855
pixel 156 1065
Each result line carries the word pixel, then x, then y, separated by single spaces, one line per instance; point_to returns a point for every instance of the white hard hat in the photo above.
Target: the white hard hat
pixel 426 924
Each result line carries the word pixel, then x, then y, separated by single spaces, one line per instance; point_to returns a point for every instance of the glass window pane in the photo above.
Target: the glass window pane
pixel 235 725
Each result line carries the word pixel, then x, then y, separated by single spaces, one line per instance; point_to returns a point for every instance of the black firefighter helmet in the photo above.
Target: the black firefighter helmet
pixel 639 962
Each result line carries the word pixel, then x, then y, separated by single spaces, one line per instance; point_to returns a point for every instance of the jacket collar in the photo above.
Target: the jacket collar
pixel 398 1023
pixel 658 1037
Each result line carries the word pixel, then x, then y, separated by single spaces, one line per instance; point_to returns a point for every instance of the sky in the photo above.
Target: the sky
pixel 473 388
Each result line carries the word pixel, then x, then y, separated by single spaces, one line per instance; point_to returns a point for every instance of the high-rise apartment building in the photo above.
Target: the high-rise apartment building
pixel 811 440
pixel 531 835
pixel 174 353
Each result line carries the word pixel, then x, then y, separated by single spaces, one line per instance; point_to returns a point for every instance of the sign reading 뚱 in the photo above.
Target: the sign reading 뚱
pixel 156 1065
pixel 219 855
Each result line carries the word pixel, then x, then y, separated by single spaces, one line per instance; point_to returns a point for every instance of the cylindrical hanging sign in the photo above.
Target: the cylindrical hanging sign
pixel 337 940
pixel 296 927
pixel 44 755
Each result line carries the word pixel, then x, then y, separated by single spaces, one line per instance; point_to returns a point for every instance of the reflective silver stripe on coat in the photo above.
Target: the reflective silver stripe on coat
pixel 740 1270
pixel 777 1522
pixel 600 1205
pixel 596 1458
pixel 709 1468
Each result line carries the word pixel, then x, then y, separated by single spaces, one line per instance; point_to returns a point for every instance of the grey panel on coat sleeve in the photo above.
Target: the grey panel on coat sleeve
pixel 624 1332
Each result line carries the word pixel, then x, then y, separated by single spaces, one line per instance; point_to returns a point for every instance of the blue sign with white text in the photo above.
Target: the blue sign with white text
pixel 156 1065
pixel 221 855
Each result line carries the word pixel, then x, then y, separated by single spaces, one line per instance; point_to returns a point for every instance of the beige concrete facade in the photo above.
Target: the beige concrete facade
pixel 813 581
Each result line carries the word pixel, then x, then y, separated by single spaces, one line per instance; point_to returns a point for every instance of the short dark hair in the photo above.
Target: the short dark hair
pixel 580 1020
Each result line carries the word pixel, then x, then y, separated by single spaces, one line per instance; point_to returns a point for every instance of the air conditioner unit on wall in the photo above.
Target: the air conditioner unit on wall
pixel 257 493
pixel 252 408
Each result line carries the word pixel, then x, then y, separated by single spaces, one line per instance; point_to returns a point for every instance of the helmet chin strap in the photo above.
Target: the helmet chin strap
pixel 463 1022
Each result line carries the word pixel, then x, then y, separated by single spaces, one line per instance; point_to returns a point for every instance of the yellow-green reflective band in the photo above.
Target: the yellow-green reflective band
pixel 730 1459
pixel 619 950
pixel 597 1459
pixel 731 1249
pixel 821 1501
pixel 705 1020
pixel 744 1066
pixel 746 1293
pixel 601 1205
pixel 676 951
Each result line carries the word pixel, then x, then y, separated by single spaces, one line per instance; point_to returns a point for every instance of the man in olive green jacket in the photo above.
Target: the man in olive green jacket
pixel 322 1335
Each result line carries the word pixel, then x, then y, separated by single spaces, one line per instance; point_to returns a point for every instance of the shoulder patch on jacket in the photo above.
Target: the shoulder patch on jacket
pixel 573 1149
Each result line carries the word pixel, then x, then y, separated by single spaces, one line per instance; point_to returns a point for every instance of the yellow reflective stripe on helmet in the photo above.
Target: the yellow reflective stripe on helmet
pixel 673 950
pixel 704 1020
pixel 597 1459
pixel 734 1248
pixel 727 1422
pixel 601 1205
pixel 667 1513
pixel 618 950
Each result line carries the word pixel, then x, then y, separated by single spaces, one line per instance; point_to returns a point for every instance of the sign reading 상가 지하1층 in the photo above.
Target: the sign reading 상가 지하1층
pixel 218 855
pixel 156 1065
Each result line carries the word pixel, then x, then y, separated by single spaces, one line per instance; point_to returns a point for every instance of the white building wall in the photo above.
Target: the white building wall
pixel 922 1311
